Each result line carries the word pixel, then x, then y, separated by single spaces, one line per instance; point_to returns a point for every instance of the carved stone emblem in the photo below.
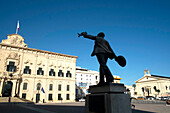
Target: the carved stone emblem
pixel 13 56
pixel 15 40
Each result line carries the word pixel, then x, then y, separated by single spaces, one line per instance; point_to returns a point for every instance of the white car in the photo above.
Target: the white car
pixel 82 100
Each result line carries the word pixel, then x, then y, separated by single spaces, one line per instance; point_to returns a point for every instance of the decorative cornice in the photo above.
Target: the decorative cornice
pixel 37 50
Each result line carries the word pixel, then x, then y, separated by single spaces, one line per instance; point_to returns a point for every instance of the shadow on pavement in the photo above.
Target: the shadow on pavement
pixel 139 111
pixel 62 108
pixel 74 109
pixel 32 108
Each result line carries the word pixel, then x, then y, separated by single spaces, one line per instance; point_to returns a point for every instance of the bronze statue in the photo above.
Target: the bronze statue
pixel 103 51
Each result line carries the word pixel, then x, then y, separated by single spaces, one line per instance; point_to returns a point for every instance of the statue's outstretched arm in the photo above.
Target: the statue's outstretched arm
pixel 85 35
pixel 90 37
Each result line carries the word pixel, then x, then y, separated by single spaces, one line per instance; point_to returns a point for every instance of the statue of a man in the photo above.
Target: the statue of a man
pixel 103 51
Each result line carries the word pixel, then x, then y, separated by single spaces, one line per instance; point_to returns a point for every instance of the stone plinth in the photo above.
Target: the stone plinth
pixel 108 98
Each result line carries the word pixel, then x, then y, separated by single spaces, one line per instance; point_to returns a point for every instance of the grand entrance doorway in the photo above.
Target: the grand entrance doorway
pixel 7 89
pixel 37 97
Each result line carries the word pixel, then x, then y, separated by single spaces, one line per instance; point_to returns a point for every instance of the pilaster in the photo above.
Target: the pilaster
pixel 13 88
pixel 2 81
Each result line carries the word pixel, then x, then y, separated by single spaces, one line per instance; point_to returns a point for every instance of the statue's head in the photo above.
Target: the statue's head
pixel 101 34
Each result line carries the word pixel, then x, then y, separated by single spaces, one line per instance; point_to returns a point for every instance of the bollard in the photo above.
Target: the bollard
pixel 9 99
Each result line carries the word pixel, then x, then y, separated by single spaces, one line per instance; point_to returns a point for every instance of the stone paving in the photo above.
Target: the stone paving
pixel 76 107
pixel 153 108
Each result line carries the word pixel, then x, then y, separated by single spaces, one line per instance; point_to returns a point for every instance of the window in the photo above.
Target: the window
pixel 96 77
pixel 67 97
pixel 50 97
pixel 27 70
pixel 59 96
pixel 51 87
pixel 68 74
pixel 24 95
pixel 38 86
pixel 68 87
pixel 60 73
pixel 11 67
pixel 150 91
pixel 166 87
pixel 59 87
pixel 40 71
pixel 52 72
pixel 25 86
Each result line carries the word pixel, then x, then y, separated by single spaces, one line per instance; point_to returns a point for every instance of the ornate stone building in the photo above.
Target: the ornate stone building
pixel 34 74
pixel 152 85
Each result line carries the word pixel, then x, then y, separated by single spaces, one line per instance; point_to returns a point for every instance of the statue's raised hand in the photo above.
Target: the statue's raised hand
pixel 82 34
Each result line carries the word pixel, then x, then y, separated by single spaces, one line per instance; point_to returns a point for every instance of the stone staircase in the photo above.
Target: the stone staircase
pixel 15 100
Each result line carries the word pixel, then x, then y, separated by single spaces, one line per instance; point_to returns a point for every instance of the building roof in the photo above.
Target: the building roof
pixel 160 76
pixel 149 77
pixel 17 41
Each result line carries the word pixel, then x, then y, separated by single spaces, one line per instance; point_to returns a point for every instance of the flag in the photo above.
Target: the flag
pixel 42 90
pixel 35 90
pixel 17 27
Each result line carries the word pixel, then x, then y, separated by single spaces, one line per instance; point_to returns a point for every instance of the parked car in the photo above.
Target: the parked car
pixel 150 98
pixel 168 101
pixel 82 100
pixel 133 98
pixel 140 98
pixel 164 98
pixel 158 98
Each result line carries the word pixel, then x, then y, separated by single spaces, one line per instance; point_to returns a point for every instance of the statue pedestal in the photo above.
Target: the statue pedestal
pixel 108 98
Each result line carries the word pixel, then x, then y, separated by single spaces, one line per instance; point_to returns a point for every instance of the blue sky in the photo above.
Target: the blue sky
pixel 137 29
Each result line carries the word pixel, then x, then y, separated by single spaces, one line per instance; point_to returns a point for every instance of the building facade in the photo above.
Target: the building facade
pixel 34 74
pixel 86 78
pixel 152 85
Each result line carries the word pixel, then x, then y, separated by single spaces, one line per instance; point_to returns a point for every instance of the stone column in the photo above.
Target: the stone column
pixel 13 88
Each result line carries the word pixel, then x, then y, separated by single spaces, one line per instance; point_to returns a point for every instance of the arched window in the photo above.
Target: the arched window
pixel 60 73
pixel 27 70
pixel 38 86
pixel 11 67
pixel 59 87
pixel 68 74
pixel 50 87
pixel 67 96
pixel 52 72
pixel 40 71
pixel 68 88
pixel 25 86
